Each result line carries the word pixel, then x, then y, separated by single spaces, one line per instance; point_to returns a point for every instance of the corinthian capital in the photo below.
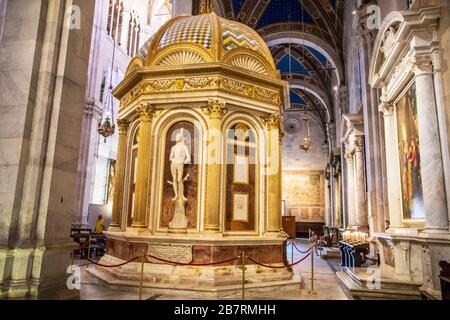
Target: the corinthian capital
pixel 273 121
pixel 215 109
pixel 146 112
pixel 359 143
pixel 123 126
pixel 386 108
pixel 423 65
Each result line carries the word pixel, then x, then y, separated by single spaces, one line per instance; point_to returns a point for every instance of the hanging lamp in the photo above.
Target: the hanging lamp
pixel 106 126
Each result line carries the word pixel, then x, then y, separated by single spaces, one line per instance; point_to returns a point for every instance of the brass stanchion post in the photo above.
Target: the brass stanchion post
pixel 141 285
pixel 243 268
pixel 312 270
pixel 89 247
pixel 292 252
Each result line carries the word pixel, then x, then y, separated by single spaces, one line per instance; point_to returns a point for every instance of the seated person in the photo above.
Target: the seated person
pixel 100 225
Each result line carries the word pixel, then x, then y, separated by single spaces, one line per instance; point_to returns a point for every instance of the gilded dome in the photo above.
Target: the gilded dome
pixel 207 38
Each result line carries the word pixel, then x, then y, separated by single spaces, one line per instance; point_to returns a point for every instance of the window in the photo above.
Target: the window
pixel 115 19
pixel 134 30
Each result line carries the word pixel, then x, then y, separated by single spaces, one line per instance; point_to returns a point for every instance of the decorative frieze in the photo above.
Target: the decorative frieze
pixel 203 84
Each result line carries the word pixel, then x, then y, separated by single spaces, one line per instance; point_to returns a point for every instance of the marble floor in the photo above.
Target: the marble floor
pixel 326 285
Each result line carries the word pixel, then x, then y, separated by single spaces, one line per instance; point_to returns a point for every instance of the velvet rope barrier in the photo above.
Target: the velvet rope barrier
pixel 193 264
pixel 293 244
pixel 110 266
pixel 280 267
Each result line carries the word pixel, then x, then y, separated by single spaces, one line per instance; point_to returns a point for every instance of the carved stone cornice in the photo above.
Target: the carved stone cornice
pixel 146 112
pixel 215 109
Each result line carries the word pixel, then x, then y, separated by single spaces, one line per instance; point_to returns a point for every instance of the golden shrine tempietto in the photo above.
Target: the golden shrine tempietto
pixel 198 174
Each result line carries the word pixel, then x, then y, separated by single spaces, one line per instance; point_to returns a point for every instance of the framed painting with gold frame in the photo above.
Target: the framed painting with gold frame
pixel 409 155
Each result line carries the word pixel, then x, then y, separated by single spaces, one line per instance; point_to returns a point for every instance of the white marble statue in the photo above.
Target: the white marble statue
pixel 179 156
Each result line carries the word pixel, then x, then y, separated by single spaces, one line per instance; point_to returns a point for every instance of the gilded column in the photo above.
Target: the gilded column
pixel 120 176
pixel 392 167
pixel 143 167
pixel 351 208
pixel 360 184
pixel 274 174
pixel 432 168
pixel 215 111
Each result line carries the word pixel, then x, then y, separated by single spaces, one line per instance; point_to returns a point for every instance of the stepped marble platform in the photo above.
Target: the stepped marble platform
pixel 357 283
pixel 190 291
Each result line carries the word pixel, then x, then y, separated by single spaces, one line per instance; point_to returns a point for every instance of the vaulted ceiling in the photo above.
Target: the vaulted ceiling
pixel 305 38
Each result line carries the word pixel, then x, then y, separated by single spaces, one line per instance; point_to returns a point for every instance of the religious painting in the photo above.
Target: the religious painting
pixel 317 215
pixel 305 190
pixel 409 156
pixel 304 214
pixel 180 183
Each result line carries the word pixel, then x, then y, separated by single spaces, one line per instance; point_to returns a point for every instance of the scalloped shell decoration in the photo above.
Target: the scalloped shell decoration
pixel 181 58
pixel 249 63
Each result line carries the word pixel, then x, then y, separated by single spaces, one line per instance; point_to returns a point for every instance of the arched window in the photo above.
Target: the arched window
pixel 115 19
pixel 120 25
pixel 134 30
pixel 130 35
pixel 110 17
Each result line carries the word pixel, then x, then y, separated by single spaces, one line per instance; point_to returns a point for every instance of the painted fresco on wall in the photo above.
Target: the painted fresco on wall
pixel 303 192
pixel 409 156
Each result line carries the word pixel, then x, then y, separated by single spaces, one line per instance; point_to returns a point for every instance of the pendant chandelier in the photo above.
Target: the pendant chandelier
pixel 106 124
pixel 307 142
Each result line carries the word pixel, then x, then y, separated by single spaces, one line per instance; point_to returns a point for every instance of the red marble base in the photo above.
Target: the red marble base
pixel 205 253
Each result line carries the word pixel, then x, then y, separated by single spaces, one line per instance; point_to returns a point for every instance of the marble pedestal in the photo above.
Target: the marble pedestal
pixel 210 280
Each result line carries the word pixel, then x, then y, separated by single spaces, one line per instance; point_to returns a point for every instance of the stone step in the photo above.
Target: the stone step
pixel 357 290
pixel 363 275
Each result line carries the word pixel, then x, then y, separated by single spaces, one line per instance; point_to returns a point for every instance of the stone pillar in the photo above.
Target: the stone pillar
pixel 430 150
pixel 273 172
pixel 215 111
pixel 86 161
pixel 392 166
pixel 143 166
pixel 120 176
pixel 351 208
pixel 337 200
pixel 360 184
pixel 40 127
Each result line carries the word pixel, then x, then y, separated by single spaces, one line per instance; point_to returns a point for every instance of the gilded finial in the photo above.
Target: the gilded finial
pixel 207 6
